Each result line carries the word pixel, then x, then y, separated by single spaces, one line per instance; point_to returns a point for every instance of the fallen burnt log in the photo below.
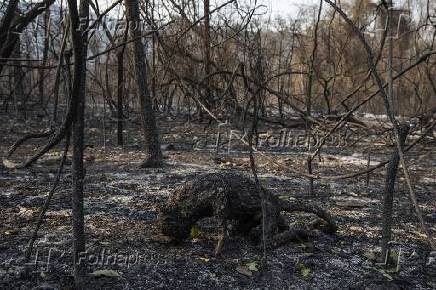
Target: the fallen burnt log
pixel 349 119
pixel 233 199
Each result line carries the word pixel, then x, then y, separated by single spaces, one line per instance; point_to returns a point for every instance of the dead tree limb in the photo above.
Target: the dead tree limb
pixel 44 208
pixel 25 138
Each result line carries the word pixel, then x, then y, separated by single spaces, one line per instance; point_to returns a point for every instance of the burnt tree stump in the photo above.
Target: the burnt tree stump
pixel 232 197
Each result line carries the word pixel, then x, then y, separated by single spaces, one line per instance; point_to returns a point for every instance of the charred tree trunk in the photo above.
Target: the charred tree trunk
pixel 58 75
pixel 120 91
pixel 153 64
pixel 79 41
pixel 207 70
pixel 44 55
pixel 13 31
pixel 153 154
pixel 309 93
pixel 279 82
pixel 18 88
pixel 388 197
pixel 7 20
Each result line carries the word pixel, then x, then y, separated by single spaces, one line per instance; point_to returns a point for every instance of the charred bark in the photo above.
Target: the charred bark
pixel 17 26
pixel 120 90
pixel 44 56
pixel 388 197
pixel 7 20
pixel 153 154
pixel 232 197
pixel 80 45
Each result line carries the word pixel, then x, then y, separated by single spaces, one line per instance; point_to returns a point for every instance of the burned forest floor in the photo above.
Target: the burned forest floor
pixel 121 200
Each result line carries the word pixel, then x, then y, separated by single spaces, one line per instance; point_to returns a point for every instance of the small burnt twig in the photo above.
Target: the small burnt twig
pixel 44 208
